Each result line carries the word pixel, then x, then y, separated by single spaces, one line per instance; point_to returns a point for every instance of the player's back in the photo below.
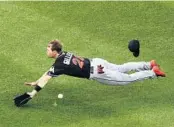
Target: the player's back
pixel 69 64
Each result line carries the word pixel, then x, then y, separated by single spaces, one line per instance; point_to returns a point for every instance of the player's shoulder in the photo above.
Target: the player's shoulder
pixel 64 53
pixel 63 56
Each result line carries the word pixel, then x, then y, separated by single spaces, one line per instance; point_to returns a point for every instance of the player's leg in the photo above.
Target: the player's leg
pixel 113 77
pixel 131 66
pixel 117 78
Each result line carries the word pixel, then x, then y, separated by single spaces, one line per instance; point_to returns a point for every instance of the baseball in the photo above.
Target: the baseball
pixel 60 96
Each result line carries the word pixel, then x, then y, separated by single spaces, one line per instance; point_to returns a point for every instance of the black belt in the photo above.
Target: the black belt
pixel 91 67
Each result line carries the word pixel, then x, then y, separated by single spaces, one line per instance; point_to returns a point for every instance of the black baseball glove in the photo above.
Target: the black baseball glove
pixel 21 99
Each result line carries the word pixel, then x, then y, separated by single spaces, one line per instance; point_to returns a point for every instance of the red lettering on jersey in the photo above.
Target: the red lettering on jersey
pixel 78 61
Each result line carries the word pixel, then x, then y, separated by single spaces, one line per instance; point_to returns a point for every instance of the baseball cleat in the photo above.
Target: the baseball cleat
pixel 153 64
pixel 158 72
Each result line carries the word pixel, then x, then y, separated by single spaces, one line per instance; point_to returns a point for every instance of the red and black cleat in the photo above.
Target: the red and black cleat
pixel 158 72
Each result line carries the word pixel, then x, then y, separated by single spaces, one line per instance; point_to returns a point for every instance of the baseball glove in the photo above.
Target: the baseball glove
pixel 21 99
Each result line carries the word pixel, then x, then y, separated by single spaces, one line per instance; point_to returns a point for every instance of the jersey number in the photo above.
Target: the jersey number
pixel 78 61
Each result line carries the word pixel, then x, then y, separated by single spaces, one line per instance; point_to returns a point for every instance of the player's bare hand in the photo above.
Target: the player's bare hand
pixel 30 83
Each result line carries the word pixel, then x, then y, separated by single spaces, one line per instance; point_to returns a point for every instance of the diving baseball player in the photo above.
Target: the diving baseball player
pixel 93 69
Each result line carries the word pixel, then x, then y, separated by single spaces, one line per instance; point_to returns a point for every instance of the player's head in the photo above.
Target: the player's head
pixel 54 48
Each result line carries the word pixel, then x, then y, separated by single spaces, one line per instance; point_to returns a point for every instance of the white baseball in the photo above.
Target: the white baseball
pixel 60 96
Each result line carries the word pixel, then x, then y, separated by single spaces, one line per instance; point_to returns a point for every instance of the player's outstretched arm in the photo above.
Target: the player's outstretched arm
pixel 36 82
pixel 39 85
pixel 24 98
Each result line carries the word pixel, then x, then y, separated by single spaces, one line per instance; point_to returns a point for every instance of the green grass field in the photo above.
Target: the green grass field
pixel 90 29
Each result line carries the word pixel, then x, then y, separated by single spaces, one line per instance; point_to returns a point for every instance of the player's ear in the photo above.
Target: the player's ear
pixel 54 51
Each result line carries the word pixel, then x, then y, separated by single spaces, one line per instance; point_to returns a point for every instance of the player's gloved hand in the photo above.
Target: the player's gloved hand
pixel 30 83
pixel 22 99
